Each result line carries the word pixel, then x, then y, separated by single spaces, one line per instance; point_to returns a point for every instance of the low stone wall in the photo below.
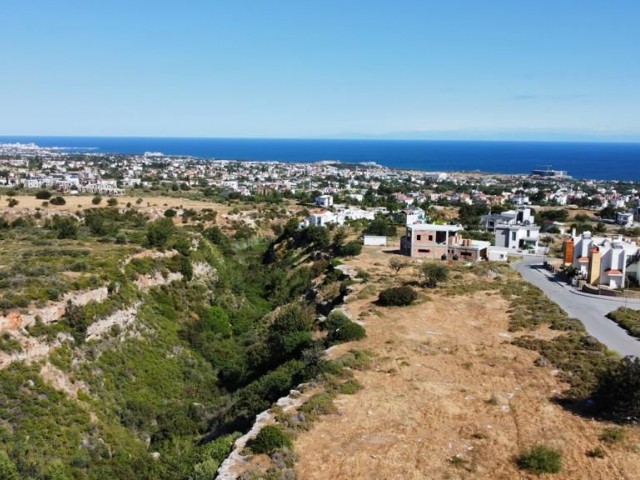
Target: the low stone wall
pixel 607 292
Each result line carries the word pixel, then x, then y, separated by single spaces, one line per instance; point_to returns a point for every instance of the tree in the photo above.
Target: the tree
pixel 557 215
pixel 397 296
pixel 382 226
pixel 351 249
pixel 94 219
pixel 433 273
pixel 608 212
pixel 599 228
pixel 469 215
pixel 270 438
pixel 43 194
pixel 65 226
pixel 617 394
pixel 159 232
pixel 397 264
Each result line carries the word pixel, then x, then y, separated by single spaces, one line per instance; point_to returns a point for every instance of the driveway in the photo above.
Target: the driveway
pixel 589 309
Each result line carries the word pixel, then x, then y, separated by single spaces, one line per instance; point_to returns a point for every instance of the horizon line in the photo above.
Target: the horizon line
pixel 374 138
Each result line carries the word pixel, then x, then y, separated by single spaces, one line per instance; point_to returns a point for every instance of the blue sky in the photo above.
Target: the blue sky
pixel 549 69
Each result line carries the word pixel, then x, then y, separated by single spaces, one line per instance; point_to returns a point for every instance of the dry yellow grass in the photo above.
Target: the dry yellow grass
pixel 448 384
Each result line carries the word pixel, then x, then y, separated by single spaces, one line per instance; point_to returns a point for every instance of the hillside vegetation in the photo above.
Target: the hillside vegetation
pixel 194 334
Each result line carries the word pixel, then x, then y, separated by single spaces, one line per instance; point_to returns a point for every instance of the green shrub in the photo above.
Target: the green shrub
pixel 66 227
pixel 269 439
pixel 612 435
pixel 159 232
pixel 341 329
pixel 351 249
pixel 627 318
pixel 397 296
pixel 57 201
pixel 8 344
pixel 617 393
pixel 348 332
pixel 433 273
pixel 541 459
pixel 349 387
pixel 8 470
pixel 320 404
pixel 43 194
pixel 112 202
pixel 96 200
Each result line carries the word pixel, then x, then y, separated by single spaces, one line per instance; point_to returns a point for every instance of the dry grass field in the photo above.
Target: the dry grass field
pixel 450 398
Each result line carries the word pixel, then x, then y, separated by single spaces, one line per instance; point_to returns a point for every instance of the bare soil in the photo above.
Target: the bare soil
pixel 450 398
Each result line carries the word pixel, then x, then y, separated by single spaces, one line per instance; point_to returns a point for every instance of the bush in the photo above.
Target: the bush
pixel 43 194
pixel 270 438
pixel 342 329
pixel 8 470
pixel 627 318
pixel 351 249
pixel 13 202
pixel 159 232
pixel 541 459
pixel 617 393
pixel 57 201
pixel 66 227
pixel 112 202
pixel 433 273
pixel 397 296
pixel 170 213
pixel 612 435
pixel 96 200
pixel 348 332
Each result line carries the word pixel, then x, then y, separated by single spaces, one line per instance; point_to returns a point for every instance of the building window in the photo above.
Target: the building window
pixel 423 250
pixel 513 236
pixel 431 238
pixel 419 237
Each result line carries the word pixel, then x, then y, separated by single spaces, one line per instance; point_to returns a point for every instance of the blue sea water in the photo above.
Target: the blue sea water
pixel 587 160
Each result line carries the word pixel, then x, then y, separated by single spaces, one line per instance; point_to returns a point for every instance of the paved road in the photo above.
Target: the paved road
pixel 589 309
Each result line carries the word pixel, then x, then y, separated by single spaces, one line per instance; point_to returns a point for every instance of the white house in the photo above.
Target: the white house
pixel 521 216
pixel 625 219
pixel 517 237
pixel 602 261
pixel 324 201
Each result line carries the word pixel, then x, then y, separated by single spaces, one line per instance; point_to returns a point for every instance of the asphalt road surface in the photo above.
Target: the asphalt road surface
pixel 589 309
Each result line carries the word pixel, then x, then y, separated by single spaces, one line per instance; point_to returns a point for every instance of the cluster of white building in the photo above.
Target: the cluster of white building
pixel 603 261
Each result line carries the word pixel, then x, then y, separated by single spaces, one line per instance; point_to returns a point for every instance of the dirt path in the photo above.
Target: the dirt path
pixel 450 398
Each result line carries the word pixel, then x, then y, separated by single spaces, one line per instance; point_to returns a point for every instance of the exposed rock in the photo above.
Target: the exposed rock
pixel 122 318
pixel 146 282
pixel 60 381
pixel 229 468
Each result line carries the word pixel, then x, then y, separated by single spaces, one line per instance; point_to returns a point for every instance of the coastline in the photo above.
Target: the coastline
pixel 582 160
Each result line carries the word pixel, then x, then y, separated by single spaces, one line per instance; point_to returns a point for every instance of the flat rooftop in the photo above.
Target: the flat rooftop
pixel 434 228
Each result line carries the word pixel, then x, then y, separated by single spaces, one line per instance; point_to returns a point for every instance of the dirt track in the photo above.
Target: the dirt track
pixel 450 398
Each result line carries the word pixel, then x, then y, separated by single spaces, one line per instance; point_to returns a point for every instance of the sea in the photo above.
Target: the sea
pixel 583 160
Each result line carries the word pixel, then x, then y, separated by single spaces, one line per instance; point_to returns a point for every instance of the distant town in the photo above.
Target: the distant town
pixel 495 215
